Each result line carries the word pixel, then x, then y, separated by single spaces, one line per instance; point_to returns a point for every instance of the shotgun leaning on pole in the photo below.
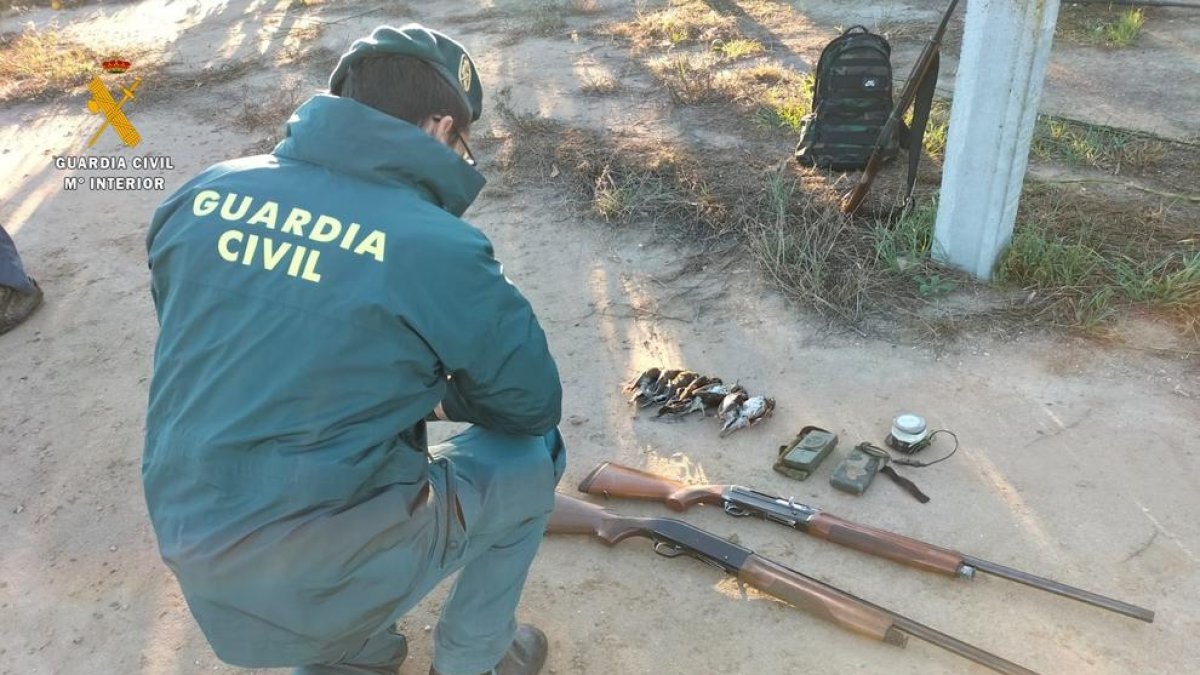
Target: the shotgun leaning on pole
pixel 674 538
pixel 924 69
pixel 614 480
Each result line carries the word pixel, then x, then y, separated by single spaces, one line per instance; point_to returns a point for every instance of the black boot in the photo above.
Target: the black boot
pixel 526 656
pixel 16 306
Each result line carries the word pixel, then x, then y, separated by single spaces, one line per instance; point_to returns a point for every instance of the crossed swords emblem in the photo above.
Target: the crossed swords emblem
pixel 103 103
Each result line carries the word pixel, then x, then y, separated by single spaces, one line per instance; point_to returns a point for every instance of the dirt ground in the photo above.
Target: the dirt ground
pixel 1078 462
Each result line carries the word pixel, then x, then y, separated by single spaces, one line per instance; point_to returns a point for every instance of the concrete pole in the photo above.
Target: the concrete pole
pixel 1006 45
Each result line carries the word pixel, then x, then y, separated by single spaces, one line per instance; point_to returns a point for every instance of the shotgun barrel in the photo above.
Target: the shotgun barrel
pixel 614 480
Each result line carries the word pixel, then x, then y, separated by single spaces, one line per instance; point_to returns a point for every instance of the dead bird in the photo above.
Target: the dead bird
pixel 729 406
pixel 752 411
pixel 685 402
pixel 677 384
pixel 657 393
pixel 642 387
pixel 713 393
pixel 696 385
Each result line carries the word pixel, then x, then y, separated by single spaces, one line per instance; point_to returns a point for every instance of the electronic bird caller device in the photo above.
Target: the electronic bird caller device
pixel 855 473
pixel 800 458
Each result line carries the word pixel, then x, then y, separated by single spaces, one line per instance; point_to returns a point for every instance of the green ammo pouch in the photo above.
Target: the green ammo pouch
pixel 799 458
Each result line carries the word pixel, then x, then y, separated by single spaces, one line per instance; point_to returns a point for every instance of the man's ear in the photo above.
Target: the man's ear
pixel 439 128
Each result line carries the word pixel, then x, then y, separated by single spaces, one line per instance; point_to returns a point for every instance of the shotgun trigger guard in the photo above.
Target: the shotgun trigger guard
pixel 737 511
pixel 668 550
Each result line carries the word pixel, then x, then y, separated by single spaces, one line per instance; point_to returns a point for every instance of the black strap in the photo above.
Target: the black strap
pixel 916 132
pixel 908 486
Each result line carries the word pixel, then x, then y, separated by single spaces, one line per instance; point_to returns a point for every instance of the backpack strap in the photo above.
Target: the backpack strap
pixel 916 133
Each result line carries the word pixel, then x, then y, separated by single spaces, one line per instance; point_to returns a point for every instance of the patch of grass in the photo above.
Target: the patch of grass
pixel 1125 30
pixel 738 48
pixel 1172 283
pixel 43 64
pixel 785 105
pixel 599 84
pixel 1107 26
pixel 1081 144
pixel 545 18
pixel 938 129
pixel 681 23
pixel 1065 141
pixel 1086 257
pixel 1039 260
pixel 905 245
pixel 690 79
pixel 783 113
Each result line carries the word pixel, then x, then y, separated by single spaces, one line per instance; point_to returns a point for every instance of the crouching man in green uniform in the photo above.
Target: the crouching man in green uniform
pixel 316 306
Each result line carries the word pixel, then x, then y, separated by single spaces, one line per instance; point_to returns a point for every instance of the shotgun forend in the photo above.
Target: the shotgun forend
pixel 673 538
pixel 614 480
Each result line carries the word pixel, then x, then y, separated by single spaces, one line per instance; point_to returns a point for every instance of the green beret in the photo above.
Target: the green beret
pixel 448 58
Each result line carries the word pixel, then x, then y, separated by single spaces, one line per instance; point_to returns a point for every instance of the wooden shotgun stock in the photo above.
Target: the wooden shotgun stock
pixel 853 199
pixel 673 538
pixel 613 480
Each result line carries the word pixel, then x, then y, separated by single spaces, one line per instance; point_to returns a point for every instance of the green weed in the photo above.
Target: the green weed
pixel 1110 26
pixel 1125 30
pixel 1040 260
pixel 785 104
pixel 907 242
pixel 738 48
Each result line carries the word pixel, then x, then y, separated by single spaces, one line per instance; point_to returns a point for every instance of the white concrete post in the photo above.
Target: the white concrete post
pixel 1006 44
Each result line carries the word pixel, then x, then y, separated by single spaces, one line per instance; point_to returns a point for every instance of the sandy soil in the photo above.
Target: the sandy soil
pixel 1079 462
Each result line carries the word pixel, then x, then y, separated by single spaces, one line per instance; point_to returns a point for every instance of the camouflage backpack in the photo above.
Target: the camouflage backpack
pixel 852 99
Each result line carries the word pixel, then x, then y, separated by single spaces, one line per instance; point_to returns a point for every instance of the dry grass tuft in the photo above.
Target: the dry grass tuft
pixel 268 115
pixel 681 23
pixel 599 84
pixel 43 64
pixel 690 79
pixel 779 97
pixel 1100 147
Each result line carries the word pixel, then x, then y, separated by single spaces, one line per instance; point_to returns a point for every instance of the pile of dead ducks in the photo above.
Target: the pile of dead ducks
pixel 679 393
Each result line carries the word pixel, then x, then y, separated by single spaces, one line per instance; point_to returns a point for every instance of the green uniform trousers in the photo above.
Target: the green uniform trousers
pixel 498 494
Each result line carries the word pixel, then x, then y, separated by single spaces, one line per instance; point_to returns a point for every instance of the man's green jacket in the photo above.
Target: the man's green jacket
pixel 315 305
